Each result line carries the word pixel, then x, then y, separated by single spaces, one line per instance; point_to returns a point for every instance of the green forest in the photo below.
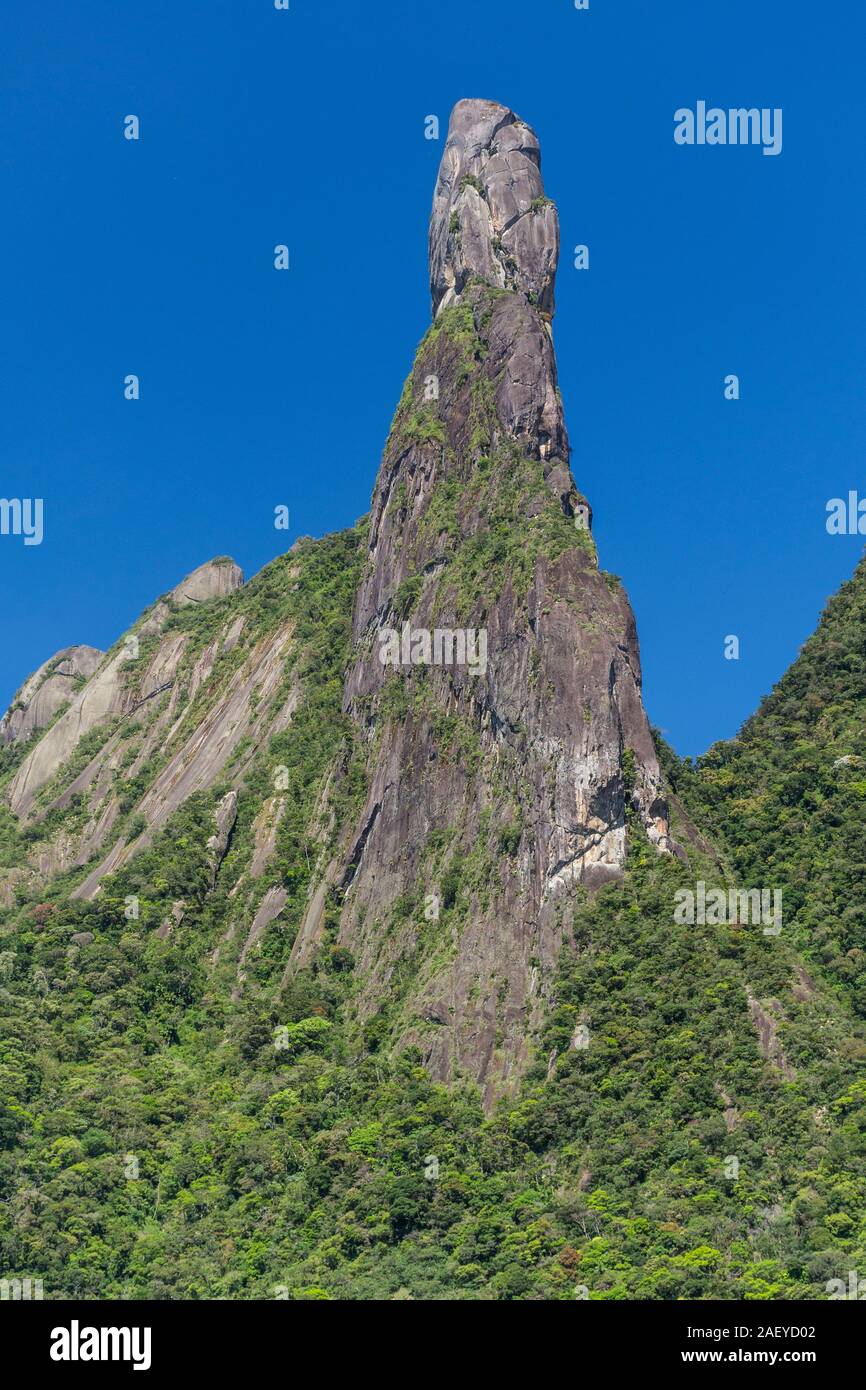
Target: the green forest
pixel 160 1138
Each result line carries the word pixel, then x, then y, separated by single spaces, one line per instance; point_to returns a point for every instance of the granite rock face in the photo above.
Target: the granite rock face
pixel 47 691
pixel 225 816
pixel 525 769
pixel 117 683
pixel 490 216
pixel 492 751
pixel 97 701
pixel 211 580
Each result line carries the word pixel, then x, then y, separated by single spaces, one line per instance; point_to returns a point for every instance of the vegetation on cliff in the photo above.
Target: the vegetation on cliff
pixel 160 1139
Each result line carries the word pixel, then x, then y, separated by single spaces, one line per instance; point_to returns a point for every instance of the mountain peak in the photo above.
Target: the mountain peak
pixel 211 580
pixel 491 220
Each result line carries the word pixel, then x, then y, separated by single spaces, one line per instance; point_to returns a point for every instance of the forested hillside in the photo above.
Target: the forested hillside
pixel 787 798
pixel 162 1138
pixel 328 974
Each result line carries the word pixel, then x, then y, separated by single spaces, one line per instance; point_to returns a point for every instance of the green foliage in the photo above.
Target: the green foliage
pixel 184 1114
pixel 786 798
pixel 264 1166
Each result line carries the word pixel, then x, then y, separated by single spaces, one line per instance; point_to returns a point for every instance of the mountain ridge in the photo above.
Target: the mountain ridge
pixel 346 976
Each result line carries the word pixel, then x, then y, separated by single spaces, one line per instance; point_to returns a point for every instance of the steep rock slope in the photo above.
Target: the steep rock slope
pixel 495 787
pixel 110 690
pixel 512 777
pixel 44 694
pixel 263 890
pixel 190 706
pixel 159 718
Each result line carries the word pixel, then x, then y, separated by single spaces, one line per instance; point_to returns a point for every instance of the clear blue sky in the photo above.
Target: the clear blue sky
pixel 261 388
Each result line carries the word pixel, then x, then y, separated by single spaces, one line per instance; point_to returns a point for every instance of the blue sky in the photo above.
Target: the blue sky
pixel 261 388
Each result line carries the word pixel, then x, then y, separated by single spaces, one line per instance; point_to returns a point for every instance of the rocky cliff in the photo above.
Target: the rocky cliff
pixel 492 728
pixel 508 783
pixel 295 849
pixel 44 694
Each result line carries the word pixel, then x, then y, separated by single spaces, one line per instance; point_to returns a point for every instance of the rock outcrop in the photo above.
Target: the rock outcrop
pixel 225 816
pixel 100 698
pixel 491 219
pixel 211 580
pixel 47 691
pixel 525 769
pixel 116 686
pixel 492 742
